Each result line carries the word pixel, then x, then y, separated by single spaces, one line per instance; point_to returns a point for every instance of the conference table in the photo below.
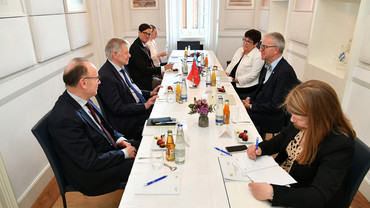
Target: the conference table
pixel 199 182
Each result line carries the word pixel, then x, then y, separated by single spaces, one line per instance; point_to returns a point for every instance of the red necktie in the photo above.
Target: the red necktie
pixel 101 126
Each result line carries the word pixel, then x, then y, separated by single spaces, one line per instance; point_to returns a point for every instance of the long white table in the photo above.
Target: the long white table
pixel 201 180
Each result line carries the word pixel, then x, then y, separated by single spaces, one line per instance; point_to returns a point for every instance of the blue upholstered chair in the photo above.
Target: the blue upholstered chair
pixel 360 167
pixel 41 132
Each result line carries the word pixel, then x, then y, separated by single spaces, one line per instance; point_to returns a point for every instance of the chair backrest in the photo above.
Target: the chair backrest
pixel 359 168
pixel 41 132
pixel 194 45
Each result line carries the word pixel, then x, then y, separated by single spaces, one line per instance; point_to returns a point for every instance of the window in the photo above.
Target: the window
pixel 194 16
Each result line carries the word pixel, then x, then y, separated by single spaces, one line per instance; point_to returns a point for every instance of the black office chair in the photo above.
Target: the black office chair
pixel 41 132
pixel 194 45
pixel 359 168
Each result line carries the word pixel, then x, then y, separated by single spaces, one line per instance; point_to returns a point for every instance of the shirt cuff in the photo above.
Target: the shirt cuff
pixel 120 139
pixel 125 153
pixel 162 69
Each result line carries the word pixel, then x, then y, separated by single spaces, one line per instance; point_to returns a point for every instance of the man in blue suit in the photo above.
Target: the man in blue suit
pixel 276 79
pixel 95 158
pixel 126 105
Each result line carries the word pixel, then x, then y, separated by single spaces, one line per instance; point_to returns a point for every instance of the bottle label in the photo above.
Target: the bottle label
pixel 172 154
pixel 208 84
pixel 219 121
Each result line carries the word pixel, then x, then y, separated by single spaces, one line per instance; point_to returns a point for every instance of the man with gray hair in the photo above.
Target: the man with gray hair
pixel 276 79
pixel 126 105
pixel 95 158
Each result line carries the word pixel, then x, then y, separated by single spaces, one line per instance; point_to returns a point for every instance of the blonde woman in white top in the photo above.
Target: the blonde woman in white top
pixel 246 65
pixel 156 57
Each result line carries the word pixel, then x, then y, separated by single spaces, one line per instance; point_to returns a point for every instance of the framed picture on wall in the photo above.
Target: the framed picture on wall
pixel 239 4
pixel 144 4
pixel 73 6
pixel 265 4
pixel 304 5
pixel 11 8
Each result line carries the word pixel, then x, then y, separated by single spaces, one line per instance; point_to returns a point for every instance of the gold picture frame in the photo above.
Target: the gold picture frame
pixel 144 4
pixel 239 4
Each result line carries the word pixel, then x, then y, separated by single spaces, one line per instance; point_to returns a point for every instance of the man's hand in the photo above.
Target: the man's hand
pixel 155 91
pixel 236 80
pixel 123 144
pixel 168 66
pixel 150 101
pixel 247 103
pixel 131 151
pixel 164 53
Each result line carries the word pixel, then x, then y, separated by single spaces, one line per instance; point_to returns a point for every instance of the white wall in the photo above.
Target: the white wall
pixel 30 85
pixel 36 44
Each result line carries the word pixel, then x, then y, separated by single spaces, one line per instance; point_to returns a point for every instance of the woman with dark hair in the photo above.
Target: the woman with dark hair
pixel 317 150
pixel 246 65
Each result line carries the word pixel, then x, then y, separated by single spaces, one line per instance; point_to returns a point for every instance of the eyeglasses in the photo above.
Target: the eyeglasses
pixel 263 47
pixel 96 78
pixel 145 33
pixel 247 41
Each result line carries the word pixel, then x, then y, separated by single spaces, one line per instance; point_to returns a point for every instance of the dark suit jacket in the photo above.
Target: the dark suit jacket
pixel 122 111
pixel 266 112
pixel 140 66
pixel 90 163
pixel 321 184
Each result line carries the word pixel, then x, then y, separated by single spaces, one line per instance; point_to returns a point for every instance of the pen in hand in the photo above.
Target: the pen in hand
pixel 256 149
pixel 155 180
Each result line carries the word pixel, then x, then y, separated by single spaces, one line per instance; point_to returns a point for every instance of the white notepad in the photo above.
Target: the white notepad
pixel 168 186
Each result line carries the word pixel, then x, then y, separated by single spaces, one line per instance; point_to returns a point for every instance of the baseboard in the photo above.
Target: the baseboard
pixel 365 189
pixel 36 188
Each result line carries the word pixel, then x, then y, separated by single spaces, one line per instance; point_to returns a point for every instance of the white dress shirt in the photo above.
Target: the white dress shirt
pixel 153 52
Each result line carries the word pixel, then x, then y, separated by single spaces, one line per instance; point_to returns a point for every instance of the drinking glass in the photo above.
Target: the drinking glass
pixel 156 159
pixel 170 97
pixel 234 113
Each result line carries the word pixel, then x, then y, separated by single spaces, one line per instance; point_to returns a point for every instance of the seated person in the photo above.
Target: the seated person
pixel 246 65
pixel 276 79
pixel 89 149
pixel 317 151
pixel 127 107
pixel 156 57
pixel 141 66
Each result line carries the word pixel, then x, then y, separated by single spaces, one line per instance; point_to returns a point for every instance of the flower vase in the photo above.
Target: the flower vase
pixel 203 120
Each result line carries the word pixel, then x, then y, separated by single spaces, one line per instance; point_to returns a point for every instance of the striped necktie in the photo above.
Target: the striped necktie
pixel 128 81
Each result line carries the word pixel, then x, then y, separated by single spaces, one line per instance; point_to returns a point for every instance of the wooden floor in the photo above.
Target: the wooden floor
pixel 76 199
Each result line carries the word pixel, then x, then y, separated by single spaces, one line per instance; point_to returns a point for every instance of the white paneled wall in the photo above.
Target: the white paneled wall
pixel 36 45
pixel 16 42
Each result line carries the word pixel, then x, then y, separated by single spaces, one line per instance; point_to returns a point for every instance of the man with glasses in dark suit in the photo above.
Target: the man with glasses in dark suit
pixel 95 158
pixel 141 66
pixel 276 79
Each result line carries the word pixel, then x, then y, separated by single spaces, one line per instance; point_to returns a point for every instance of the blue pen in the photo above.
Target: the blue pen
pixel 156 180
pixel 256 149
pixel 223 151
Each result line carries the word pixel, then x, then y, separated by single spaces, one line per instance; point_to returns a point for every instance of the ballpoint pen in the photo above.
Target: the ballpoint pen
pixel 256 149
pixel 223 151
pixel 155 180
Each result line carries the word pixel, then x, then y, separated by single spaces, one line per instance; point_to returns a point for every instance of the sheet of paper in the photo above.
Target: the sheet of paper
pixel 240 195
pixel 246 164
pixel 157 130
pixel 231 171
pixel 168 186
pixel 274 175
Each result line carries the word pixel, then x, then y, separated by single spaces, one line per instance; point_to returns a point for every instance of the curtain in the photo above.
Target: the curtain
pixel 173 24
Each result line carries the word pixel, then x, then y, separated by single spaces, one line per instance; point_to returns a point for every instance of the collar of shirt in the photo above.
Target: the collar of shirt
pixel 123 77
pixel 79 100
pixel 274 63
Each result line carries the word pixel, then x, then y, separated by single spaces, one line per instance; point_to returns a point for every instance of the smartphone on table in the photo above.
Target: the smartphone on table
pixel 236 148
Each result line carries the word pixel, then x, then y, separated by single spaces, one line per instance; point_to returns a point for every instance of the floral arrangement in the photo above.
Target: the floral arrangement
pixel 201 107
